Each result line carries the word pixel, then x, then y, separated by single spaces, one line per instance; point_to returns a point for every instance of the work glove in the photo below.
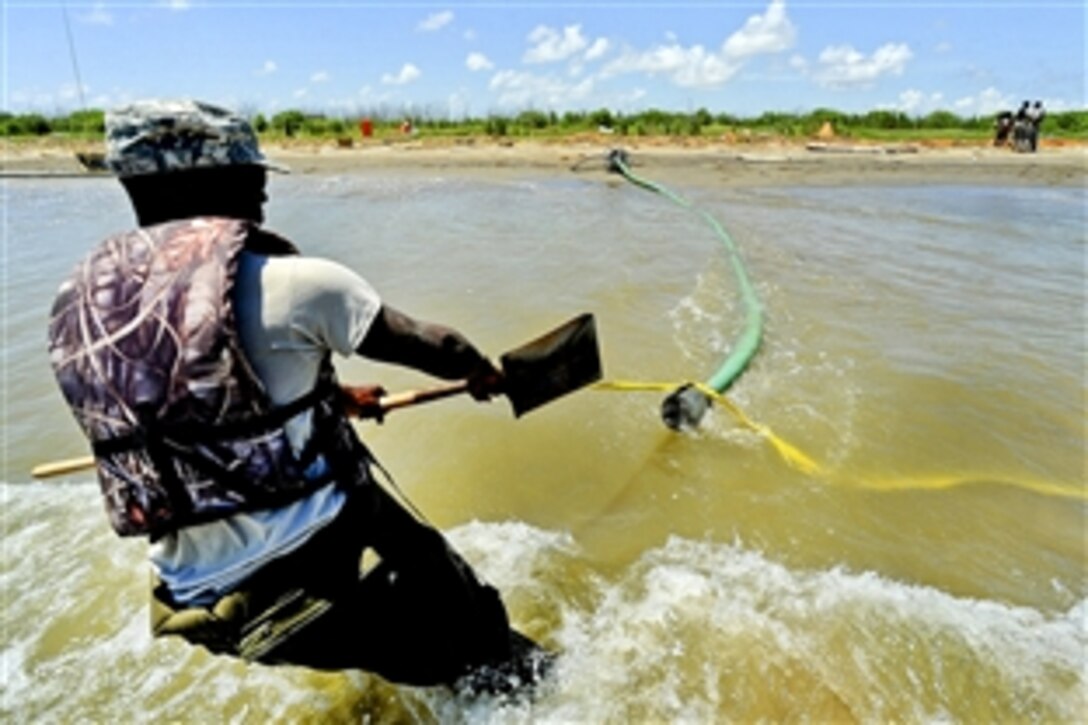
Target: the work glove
pixel 363 401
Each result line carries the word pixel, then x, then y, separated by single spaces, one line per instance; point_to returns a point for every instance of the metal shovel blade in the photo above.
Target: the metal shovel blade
pixel 557 363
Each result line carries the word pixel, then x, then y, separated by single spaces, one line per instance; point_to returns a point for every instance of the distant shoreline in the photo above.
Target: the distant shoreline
pixel 685 161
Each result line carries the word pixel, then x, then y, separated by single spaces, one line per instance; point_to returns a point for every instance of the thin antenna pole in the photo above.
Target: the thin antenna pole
pixel 72 51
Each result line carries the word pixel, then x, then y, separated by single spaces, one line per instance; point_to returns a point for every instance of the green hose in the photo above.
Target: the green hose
pixel 686 405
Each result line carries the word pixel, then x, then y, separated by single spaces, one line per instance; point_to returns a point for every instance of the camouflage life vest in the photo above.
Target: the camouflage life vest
pixel 145 350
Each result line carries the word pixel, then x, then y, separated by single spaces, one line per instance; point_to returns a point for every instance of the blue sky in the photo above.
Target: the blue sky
pixel 452 59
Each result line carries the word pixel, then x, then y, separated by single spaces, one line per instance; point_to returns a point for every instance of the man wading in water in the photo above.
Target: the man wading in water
pixel 195 352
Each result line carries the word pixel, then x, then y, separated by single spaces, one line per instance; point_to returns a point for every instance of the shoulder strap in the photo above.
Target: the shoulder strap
pixel 262 241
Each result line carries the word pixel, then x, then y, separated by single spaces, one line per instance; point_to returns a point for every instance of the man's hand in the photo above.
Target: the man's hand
pixel 363 401
pixel 485 380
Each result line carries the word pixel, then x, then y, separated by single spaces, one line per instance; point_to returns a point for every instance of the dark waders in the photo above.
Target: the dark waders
pixel 419 616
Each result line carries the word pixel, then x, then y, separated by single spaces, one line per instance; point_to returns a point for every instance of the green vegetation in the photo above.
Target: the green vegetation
pixel 873 125
pixel 80 124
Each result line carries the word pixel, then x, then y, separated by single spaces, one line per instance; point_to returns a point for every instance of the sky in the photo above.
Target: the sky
pixel 457 59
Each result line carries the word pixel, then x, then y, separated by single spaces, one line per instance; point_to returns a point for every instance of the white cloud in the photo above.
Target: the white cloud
pixel 469 35
pixel 345 105
pixel 102 100
pixel 300 93
pixel 98 15
pixel 988 101
pixel 70 92
pixel 550 46
pixel 268 68
pixel 320 77
pixel 687 67
pixel 910 100
pixel 407 74
pixel 771 32
pixel 600 47
pixel 457 103
pixel 436 21
pixel 841 66
pixel 478 61
pixel 517 88
pixel 177 4
pixel 697 67
pixel 66 95
pixel 918 103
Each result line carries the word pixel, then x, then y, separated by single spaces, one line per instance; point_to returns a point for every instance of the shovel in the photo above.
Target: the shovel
pixel 538 372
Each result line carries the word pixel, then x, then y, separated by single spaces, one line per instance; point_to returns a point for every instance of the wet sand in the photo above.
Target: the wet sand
pixel 694 161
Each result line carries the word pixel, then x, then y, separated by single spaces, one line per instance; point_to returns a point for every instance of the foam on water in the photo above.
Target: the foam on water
pixel 692 631
pixel 784 378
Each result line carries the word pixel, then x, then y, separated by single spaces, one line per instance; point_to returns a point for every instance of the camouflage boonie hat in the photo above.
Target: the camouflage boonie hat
pixel 159 137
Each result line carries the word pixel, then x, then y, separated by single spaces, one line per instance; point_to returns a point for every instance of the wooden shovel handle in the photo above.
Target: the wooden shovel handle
pixel 412 397
pixel 59 468
pixel 387 402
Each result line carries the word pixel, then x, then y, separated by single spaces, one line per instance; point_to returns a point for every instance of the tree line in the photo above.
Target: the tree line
pixel 652 122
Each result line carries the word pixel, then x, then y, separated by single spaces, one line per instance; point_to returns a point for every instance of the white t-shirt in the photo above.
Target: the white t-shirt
pixel 289 311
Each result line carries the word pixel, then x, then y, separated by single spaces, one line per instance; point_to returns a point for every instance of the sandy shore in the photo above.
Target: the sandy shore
pixel 696 162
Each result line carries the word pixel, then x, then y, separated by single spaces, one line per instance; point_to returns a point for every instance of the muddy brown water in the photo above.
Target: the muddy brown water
pixel 924 344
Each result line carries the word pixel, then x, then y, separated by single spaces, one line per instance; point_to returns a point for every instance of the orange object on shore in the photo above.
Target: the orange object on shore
pixel 366 127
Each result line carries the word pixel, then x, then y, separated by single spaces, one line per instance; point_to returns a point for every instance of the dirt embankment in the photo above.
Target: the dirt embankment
pixel 728 160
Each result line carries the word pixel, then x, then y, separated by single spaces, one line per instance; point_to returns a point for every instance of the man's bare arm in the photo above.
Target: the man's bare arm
pixel 437 350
